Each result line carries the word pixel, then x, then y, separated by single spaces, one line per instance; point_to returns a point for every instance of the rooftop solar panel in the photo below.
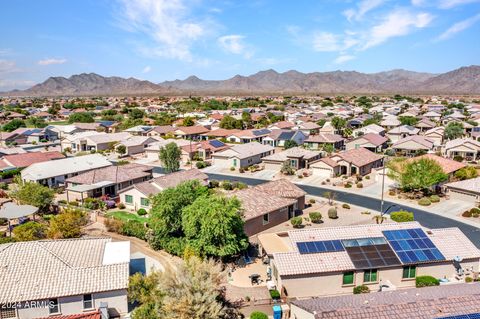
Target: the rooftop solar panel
pixel 260 132
pixel 468 316
pixel 371 256
pixel 311 247
pixel 413 245
pixel 216 143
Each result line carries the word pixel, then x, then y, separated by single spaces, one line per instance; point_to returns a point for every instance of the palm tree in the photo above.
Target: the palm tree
pixel 379 219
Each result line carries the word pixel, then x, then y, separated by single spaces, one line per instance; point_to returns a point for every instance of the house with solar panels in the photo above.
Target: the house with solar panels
pixel 332 261
pixel 248 136
pixel 242 155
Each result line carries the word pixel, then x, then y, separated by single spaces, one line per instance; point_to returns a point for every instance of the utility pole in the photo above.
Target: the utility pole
pixel 383 186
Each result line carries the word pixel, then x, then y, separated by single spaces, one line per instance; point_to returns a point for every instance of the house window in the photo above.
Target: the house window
pixel 144 201
pixel 87 301
pixel 370 275
pixel 235 162
pixel 129 199
pixel 266 219
pixel 348 278
pixel 53 306
pixel 409 272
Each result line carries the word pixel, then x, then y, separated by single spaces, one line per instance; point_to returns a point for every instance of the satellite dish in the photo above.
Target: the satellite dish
pixel 457 259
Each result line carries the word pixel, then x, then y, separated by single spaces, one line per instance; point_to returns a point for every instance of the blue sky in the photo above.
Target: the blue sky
pixel 161 40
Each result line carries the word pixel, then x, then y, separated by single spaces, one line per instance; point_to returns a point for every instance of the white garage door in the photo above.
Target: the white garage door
pixel 273 166
pixel 221 162
pixel 320 171
pixel 458 195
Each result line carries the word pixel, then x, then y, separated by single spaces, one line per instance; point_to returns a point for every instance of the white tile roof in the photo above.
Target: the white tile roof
pixel 54 268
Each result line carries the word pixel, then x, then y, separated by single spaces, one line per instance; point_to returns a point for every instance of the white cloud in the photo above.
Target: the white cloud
pixel 15 84
pixel 52 61
pixel 343 58
pixel 363 7
pixel 447 4
pixel 7 66
pixel 167 22
pixel 235 44
pixel 326 42
pixel 396 23
pixel 458 27
pixel 147 69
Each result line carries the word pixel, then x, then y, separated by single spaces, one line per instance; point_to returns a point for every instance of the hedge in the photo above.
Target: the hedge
pixel 426 281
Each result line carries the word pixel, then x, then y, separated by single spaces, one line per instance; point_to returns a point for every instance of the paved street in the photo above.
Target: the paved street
pixel 426 218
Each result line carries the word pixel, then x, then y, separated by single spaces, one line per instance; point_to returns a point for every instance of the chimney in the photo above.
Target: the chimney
pixel 104 310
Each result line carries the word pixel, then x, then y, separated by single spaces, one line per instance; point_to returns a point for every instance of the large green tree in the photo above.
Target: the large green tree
pixel 34 194
pixel 453 130
pixel 213 226
pixel 339 123
pixel 228 122
pixel 13 125
pixel 170 155
pixel 81 117
pixel 408 120
pixel 416 175
pixel 67 224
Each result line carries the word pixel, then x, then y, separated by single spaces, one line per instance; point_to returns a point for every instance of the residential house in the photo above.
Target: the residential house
pixel 247 136
pixel 190 132
pixel 319 262
pixel 17 161
pixel 282 125
pixel 371 141
pixel 296 157
pixel 435 135
pixel 268 205
pixel 202 150
pixel 54 173
pixel 425 125
pixel 468 149
pixel 161 131
pixel 219 133
pixel 327 128
pixel 358 161
pixel 432 115
pixel 413 145
pixel 371 128
pixel 142 130
pixel 308 128
pixel 138 195
pixel 242 155
pixel 402 132
pixel 106 181
pixel 390 122
pixel 444 301
pixel 317 142
pixel 467 190
pixel 93 141
pixel 277 138
pixel 64 278
pixel 136 144
pixel 152 151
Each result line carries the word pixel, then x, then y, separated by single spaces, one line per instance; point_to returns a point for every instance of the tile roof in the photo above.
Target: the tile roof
pixel 282 188
pixel 221 132
pixel 101 138
pixel 27 159
pixel 114 174
pixel 294 152
pixel 246 150
pixel 44 269
pixel 448 165
pixel 427 303
pixel 373 138
pixel 359 156
pixel 324 138
pixel 188 130
pixel 86 315
pixel 164 129
pixel 173 179
pixel 472 185
pixel 421 140
pixel 404 129
pixel 462 141
pixel 283 124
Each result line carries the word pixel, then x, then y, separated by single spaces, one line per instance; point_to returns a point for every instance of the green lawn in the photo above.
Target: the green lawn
pixel 58 123
pixel 125 216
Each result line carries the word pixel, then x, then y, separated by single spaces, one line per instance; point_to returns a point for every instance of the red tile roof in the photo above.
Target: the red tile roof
pixel 448 165
pixel 27 159
pixel 359 157
pixel 86 315
pixel 374 139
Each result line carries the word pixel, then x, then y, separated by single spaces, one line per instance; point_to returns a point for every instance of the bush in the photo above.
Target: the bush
pixel 201 164
pixel 424 202
pixel 239 185
pixel 241 170
pixel 367 177
pixel 258 315
pixel 134 228
pixel 3 221
pixel 232 168
pixel 346 206
pixel 426 281
pixel 275 294
pixel 296 221
pixel 362 289
pixel 348 185
pixel 121 205
pixel 226 185
pixel 113 225
pixel 4 186
pixel 467 213
pixel 468 279
pixel 332 213
pixel 311 201
pixel 402 216
pixel 315 217
pixel 458 158
pixel 214 183
pixel 475 210
pixel 434 198
pixel 93 203
pixel 141 212
pixel 391 192
pixel 73 203
pixel 359 185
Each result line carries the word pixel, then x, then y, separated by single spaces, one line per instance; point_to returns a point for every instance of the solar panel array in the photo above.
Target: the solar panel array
pixel 216 143
pixel 311 247
pixel 364 242
pixel 372 256
pixel 413 245
pixel 261 132
pixel 468 316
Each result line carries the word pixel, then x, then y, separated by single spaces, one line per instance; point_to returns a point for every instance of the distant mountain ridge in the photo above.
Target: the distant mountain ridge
pixel 465 80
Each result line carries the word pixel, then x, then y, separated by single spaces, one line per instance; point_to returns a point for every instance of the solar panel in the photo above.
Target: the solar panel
pixel 260 132
pixel 367 254
pixel 413 245
pixel 468 316
pixel 311 247
pixel 216 143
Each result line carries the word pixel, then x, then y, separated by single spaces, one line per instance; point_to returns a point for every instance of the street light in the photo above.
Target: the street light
pixel 388 208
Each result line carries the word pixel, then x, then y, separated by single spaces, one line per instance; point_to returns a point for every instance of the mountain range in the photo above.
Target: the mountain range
pixel 465 80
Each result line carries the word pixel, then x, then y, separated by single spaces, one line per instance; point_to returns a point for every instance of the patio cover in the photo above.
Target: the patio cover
pixel 13 211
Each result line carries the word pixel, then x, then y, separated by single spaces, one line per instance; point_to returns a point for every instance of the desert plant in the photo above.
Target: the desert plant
pixel 475 210
pixel 232 168
pixel 362 289
pixel 311 201
pixel 315 217
pixel 296 221
pixel 258 315
pixel 359 185
pixel 467 213
pixel 425 281
pixel 434 198
pixel 401 216
pixel 141 212
pixel 367 177
pixel 346 206
pixel 379 219
pixel 226 185
pixel 274 294
pixel 121 205
pixel 468 279
pixel 348 185
pixel 332 213
pixel 424 202
pixel 214 183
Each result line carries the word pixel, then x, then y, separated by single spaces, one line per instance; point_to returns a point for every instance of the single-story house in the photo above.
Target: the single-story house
pixel 138 195
pixel 297 157
pixel 400 132
pixel 136 144
pixel 282 125
pixel 202 150
pixel 26 159
pixel 435 135
pixel 247 136
pixel 412 145
pixel 371 141
pixel 54 173
pixel 242 155
pixel 425 124
pixel 93 141
pixel 161 131
pixel 390 122
pixel 190 132
pixel 467 148
pixel 219 133
pixel 106 181
pixel 359 161
pixel 277 138
pixel 371 128
pixel 448 166
pixel 143 130
pixel 467 190
pixel 308 128
pixel 317 142
pixel 65 278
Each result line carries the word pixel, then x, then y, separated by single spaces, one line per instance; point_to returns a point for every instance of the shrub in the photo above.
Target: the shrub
pixel 475 210
pixel 467 213
pixel 315 217
pixel 434 198
pixel 426 281
pixel 424 202
pixel 258 315
pixel 468 279
pixel 239 185
pixel 296 221
pixel 367 177
pixel 458 158
pixel 113 225
pixel 121 205
pixel 346 206
pixel 3 221
pixel 241 170
pixel 4 186
pixel 226 185
pixel 73 203
pixel 359 185
pixel 332 213
pixel 311 201
pixel 300 176
pixel 348 185
pixel 475 215
pixel 134 228
pixel 141 212
pixel 232 168
pixel 362 289
pixel 402 216
pixel 275 294
pixel 214 183
pixel 391 192
pixel 201 164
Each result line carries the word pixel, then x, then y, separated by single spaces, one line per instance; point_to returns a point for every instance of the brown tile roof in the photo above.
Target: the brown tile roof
pixel 324 138
pixel 164 129
pixel 448 165
pixel 359 157
pixel 27 159
pixel 146 188
pixel 86 315
pixel 423 141
pixel 221 132
pixel 188 130
pixel 428 302
pixel 472 185
pixel 330 162
pixel 283 124
pixel 373 138
pixel 282 188
pixel 173 179
pixel 115 174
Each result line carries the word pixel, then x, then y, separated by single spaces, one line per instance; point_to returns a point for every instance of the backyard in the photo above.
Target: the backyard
pixel 126 216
